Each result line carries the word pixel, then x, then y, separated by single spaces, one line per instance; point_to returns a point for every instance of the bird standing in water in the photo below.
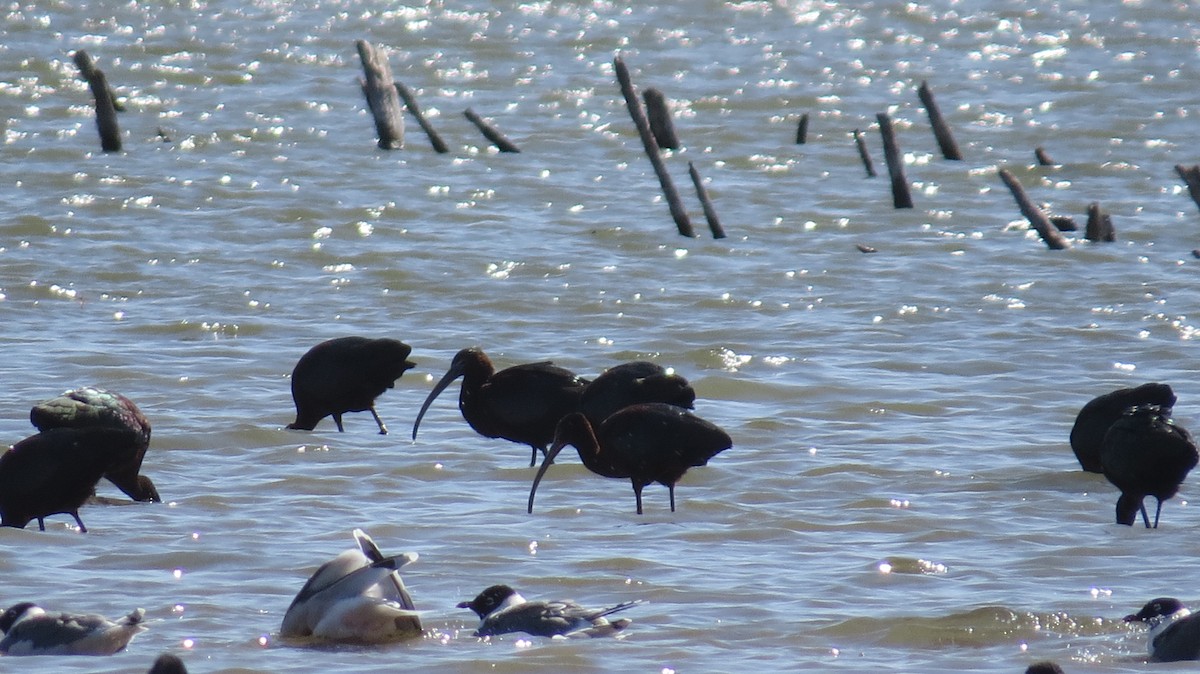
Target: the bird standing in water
pixel 1146 454
pixel 344 375
pixel 632 383
pixel 522 403
pixel 654 442
pixel 1094 420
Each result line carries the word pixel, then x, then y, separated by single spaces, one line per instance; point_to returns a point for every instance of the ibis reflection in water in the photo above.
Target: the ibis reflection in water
pixel 344 375
pixel 522 403
pixel 1146 454
pixel 653 442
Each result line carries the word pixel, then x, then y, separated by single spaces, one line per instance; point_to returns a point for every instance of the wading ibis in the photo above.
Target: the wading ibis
pixel 1145 454
pixel 344 375
pixel 632 383
pixel 522 403
pixel 652 442
pixel 1095 418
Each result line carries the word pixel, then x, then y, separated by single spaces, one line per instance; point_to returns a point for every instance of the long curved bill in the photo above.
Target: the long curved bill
pixel 451 374
pixel 553 452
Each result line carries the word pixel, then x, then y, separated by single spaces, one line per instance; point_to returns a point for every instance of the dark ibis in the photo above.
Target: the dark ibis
pixel 522 403
pixel 344 375
pixel 633 383
pixel 1174 631
pixel 1094 419
pixel 502 610
pixel 652 442
pixel 356 597
pixel 1146 454
pixel 30 630
pixel 55 472
pixel 89 407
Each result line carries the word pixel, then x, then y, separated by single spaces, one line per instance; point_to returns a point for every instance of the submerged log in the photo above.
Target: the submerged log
pixel 382 97
pixel 901 198
pixel 658 113
pixel 941 130
pixel 710 213
pixel 1054 240
pixel 410 102
pixel 106 104
pixel 861 144
pixel 1191 177
pixel 490 132
pixel 1099 224
pixel 682 222
pixel 802 130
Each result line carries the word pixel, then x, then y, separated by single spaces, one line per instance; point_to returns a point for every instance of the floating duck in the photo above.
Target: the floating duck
pixel 29 630
pixel 503 610
pixel 357 597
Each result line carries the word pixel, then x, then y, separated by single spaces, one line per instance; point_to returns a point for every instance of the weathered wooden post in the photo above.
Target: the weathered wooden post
pixel 1099 224
pixel 410 102
pixel 941 130
pixel 658 113
pixel 382 98
pixel 802 130
pixel 1043 159
pixel 106 106
pixel 901 198
pixel 682 222
pixel 1191 177
pixel 710 213
pixel 1054 240
pixel 861 144
pixel 490 132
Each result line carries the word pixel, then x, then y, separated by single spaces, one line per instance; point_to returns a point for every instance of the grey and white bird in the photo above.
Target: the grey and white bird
pixel 30 630
pixel 1174 631
pixel 357 597
pixel 502 610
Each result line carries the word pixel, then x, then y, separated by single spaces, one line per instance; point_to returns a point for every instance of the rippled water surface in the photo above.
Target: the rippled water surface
pixel 900 495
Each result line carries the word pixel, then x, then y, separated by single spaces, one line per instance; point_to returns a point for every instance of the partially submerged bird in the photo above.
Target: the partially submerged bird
pixel 346 374
pixel 522 403
pixel 632 383
pixel 29 630
pixel 357 597
pixel 1174 631
pixel 1146 454
pixel 167 663
pixel 503 610
pixel 92 407
pixel 1094 420
pixel 55 472
pixel 654 442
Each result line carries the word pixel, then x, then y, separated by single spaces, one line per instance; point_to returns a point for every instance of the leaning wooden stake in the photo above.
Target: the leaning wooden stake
pixel 382 98
pixel 861 144
pixel 1043 158
pixel 490 132
pixel 1191 177
pixel 651 147
pixel 106 108
pixel 710 213
pixel 1099 224
pixel 901 198
pixel 802 130
pixel 1054 240
pixel 410 102
pixel 658 113
pixel 941 130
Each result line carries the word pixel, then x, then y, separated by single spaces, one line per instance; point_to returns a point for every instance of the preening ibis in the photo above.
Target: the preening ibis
pixel 1146 454
pixel 630 384
pixel 1099 414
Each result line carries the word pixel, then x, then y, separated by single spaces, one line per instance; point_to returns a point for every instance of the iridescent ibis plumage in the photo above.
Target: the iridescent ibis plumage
pixel 55 472
pixel 346 374
pixel 630 384
pixel 1146 454
pixel 522 403
pixel 91 407
pixel 652 442
pixel 1095 418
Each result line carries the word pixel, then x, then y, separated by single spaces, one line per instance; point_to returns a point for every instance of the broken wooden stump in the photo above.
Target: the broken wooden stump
pixel 941 130
pixel 1099 225
pixel 802 130
pixel 1191 177
pixel 861 144
pixel 1054 240
pixel 710 213
pixel 382 98
pixel 682 222
pixel 106 105
pixel 1043 159
pixel 410 102
pixel 901 198
pixel 658 113
pixel 490 132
